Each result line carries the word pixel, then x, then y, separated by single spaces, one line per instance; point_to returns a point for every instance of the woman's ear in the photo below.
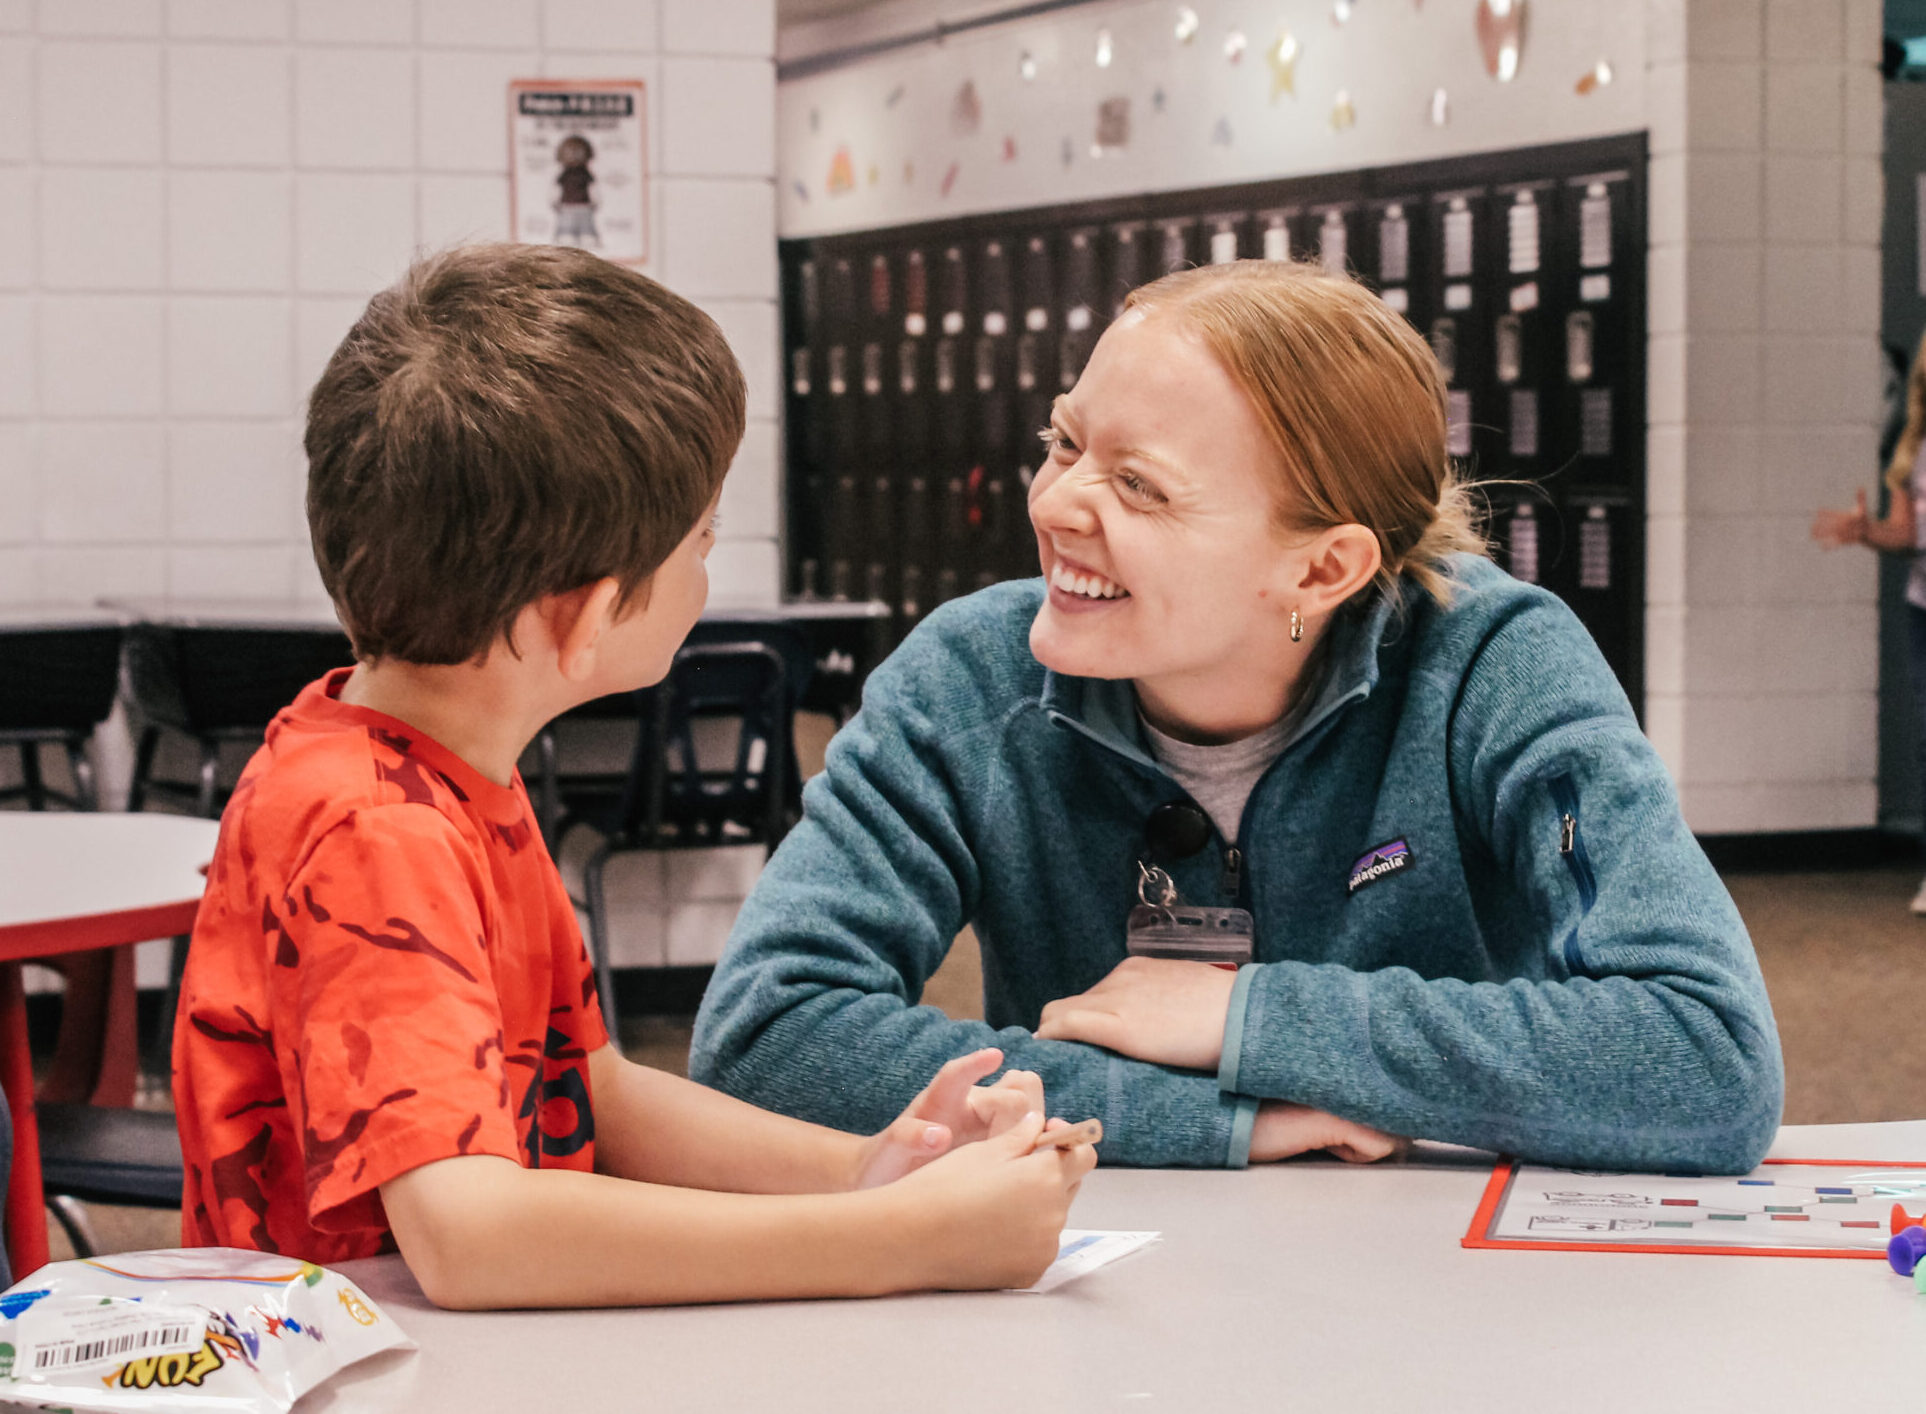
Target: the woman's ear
pixel 1337 563
pixel 576 621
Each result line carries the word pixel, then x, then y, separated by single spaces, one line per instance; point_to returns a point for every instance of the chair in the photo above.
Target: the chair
pixel 669 798
pixel 57 683
pixel 94 1154
pixel 217 683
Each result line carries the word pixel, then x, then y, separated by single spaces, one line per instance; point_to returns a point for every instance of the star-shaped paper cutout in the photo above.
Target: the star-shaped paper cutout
pixel 1283 57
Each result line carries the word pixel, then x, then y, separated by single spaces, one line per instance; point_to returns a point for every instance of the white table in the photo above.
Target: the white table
pixel 73 883
pixel 1310 1286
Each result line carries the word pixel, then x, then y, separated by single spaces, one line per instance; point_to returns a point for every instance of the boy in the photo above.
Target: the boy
pixel 389 1035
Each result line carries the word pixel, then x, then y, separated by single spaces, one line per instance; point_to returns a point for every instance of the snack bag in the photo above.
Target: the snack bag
pixel 197 1328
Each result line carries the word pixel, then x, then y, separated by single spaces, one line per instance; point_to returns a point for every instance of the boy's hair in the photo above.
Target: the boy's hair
pixel 504 423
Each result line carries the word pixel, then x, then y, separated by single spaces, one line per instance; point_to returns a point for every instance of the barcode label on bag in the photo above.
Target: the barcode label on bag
pixel 63 1340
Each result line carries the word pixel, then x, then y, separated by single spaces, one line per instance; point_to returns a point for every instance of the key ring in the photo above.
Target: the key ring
pixel 1152 880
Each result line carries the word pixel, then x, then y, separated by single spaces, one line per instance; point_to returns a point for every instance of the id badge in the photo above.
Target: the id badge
pixel 1219 936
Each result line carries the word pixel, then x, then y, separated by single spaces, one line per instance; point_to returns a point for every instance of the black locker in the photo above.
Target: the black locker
pixel 916 383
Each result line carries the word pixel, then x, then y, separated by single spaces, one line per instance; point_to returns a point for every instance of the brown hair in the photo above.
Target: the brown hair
pixel 1899 470
pixel 507 422
pixel 1352 398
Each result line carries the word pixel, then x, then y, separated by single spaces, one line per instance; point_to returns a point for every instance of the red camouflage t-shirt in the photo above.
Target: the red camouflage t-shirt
pixel 385 971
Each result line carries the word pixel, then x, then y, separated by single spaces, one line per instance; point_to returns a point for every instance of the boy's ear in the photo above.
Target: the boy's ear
pixel 576 621
pixel 1337 563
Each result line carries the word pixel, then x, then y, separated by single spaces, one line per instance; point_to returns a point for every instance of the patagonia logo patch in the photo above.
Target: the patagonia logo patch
pixel 1384 860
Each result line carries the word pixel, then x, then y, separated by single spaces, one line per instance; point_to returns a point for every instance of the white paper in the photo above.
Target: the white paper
pixel 1777 1205
pixel 54 1340
pixel 1081 1251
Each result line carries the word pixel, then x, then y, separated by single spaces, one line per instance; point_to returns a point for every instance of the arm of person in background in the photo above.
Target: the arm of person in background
pixel 1894 534
pixel 812 1011
pixel 1648 1044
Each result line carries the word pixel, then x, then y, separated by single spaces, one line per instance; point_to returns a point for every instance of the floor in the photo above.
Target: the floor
pixel 1844 960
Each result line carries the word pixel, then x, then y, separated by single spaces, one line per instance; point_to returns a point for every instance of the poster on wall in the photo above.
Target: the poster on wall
pixel 578 165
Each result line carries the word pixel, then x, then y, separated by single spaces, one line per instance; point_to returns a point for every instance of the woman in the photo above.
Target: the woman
pixel 1478 914
pixel 1901 531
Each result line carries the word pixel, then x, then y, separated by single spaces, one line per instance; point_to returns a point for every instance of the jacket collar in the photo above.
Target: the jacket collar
pixel 1105 709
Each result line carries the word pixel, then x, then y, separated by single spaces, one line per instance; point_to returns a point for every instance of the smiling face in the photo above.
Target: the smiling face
pixel 1156 522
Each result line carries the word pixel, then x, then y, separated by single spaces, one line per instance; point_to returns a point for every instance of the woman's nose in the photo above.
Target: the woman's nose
pixel 1060 502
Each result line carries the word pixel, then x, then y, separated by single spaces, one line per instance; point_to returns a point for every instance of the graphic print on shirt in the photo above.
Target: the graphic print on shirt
pixel 1379 863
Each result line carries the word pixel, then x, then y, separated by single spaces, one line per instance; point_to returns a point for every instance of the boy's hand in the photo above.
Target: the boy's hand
pixel 989 1215
pixel 1284 1129
pixel 1151 1009
pixel 953 1109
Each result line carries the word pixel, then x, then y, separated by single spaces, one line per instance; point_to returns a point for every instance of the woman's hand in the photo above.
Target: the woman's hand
pixel 1152 1009
pixel 1283 1130
pixel 953 1109
pixel 1835 528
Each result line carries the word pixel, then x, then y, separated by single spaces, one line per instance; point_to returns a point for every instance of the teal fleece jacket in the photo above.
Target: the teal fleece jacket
pixel 1553 970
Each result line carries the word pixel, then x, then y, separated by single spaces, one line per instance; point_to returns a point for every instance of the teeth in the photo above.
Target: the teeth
pixel 1088 586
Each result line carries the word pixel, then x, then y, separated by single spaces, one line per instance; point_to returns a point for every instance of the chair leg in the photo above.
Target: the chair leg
pixel 86 790
pixel 143 767
pixel 204 800
pixel 30 775
pixel 598 912
pixel 551 797
pixel 170 1003
pixel 71 1214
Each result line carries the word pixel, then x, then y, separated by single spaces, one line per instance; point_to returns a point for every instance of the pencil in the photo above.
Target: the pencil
pixel 1089 1132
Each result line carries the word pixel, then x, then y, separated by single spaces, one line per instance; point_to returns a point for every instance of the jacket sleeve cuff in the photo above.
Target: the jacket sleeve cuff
pixel 1242 1123
pixel 1233 1050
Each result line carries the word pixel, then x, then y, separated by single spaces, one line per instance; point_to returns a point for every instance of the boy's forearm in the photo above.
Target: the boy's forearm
pixel 494 1235
pixel 659 1128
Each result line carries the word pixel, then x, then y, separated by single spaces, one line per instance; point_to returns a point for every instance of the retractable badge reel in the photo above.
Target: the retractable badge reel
pixel 1162 924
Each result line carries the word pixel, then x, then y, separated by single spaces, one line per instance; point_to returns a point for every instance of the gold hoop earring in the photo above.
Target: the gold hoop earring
pixel 1297 627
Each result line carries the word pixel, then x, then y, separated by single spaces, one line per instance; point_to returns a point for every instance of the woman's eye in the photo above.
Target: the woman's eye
pixel 1057 443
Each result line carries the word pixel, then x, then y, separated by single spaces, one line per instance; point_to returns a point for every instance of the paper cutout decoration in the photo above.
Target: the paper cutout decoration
pixel 895 96
pixel 875 174
pixel 1187 24
pixel 1113 123
pixel 1440 108
pixel 1220 135
pixel 802 192
pixel 842 173
pixel 966 110
pixel 1501 36
pixel 1009 149
pixel 1069 152
pixel 949 177
pixel 1234 43
pixel 1340 11
pixel 1283 59
pixel 909 173
pixel 1104 49
pixel 1343 113
pixel 1027 66
pixel 1158 99
pixel 815 120
pixel 1594 78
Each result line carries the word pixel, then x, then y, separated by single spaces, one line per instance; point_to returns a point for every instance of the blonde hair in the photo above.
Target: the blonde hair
pixel 1899 470
pixel 1352 398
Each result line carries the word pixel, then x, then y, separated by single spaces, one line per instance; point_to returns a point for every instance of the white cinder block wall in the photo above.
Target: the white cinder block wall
pixel 198 196
pixel 1764 119
pixel 1766 131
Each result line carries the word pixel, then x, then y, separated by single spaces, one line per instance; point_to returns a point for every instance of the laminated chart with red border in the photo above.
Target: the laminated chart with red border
pixel 1784 1208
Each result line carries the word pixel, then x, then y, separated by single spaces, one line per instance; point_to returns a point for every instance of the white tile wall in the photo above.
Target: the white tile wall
pixel 227 105
pixel 1762 650
pixel 198 196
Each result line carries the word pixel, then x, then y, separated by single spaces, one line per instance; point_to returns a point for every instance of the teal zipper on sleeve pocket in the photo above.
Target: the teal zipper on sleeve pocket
pixel 1571 846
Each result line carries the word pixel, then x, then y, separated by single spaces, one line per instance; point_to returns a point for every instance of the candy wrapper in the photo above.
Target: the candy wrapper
pixel 202 1328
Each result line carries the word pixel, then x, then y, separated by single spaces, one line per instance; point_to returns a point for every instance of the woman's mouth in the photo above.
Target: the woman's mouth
pixel 1085 584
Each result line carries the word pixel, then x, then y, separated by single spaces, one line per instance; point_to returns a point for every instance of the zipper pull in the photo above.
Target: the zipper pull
pixel 1233 872
pixel 1567 833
